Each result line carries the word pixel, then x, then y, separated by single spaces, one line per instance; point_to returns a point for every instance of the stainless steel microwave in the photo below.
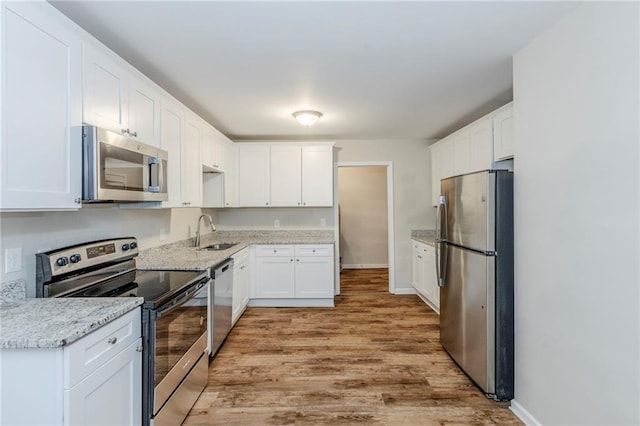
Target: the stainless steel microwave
pixel 117 168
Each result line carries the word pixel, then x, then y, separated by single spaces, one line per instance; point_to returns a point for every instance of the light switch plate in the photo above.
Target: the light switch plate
pixel 13 260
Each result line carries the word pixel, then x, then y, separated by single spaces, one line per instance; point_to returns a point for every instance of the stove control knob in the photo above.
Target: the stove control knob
pixel 62 261
pixel 126 247
pixel 133 245
pixel 75 258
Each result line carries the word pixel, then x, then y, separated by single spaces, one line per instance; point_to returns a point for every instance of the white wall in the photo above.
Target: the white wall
pixel 576 113
pixel 362 195
pixel 35 232
pixel 412 191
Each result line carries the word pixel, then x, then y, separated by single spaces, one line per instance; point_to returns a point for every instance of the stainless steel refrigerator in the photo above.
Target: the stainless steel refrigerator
pixel 474 263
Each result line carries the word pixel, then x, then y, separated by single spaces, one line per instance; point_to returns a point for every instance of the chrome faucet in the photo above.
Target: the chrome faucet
pixel 213 228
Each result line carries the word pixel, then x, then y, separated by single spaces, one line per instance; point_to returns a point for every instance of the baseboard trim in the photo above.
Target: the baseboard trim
pixel 401 291
pixel 291 303
pixel 365 266
pixel 525 416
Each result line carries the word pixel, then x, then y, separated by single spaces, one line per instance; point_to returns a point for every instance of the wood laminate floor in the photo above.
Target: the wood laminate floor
pixel 374 359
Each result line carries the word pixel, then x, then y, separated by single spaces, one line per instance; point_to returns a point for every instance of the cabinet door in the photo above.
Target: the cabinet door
pixel 171 136
pixel 41 142
pixel 503 135
pixel 230 175
pixel 253 176
pixel 417 268
pixel 286 176
pixel 461 152
pixel 212 147
pixel 144 112
pixel 105 91
pixel 430 283
pixel 441 166
pixel 481 146
pixel 275 277
pixel 240 289
pixel 112 395
pixel 314 277
pixel 317 176
pixel 191 164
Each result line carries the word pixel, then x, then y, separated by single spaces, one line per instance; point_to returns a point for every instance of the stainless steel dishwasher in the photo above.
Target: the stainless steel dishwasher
pixel 222 291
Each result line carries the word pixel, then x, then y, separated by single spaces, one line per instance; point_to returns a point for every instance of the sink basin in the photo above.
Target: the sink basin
pixel 217 246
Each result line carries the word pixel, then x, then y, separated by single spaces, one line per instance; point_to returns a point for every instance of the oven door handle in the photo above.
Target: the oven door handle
pixel 175 303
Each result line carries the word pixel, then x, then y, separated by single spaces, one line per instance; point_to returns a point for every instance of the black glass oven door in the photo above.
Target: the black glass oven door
pixel 180 339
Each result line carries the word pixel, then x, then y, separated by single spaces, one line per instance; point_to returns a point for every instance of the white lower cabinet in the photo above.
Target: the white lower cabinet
pixel 293 275
pixel 95 380
pixel 424 274
pixel 240 284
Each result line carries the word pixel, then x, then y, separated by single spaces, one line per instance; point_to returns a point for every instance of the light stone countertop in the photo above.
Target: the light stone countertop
pixel 426 236
pixel 183 256
pixel 56 322
pixel 13 291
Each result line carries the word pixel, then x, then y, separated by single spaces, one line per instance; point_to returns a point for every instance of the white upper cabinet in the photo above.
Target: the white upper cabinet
pixel 230 155
pixel 41 143
pixel 213 143
pixel 481 145
pixel 286 169
pixel 253 175
pixel 191 163
pixel 441 166
pixel 117 100
pixel 285 175
pixel 472 148
pixel 317 176
pixel 172 119
pixel 144 112
pixel 503 134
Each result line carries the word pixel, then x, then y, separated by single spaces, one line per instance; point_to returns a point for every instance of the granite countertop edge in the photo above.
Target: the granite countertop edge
pixel 426 236
pixel 57 322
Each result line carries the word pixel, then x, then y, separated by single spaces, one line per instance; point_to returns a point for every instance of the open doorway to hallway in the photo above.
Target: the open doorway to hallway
pixel 364 233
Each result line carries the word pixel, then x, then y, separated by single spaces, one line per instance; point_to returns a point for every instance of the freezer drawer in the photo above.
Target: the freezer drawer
pixel 467 314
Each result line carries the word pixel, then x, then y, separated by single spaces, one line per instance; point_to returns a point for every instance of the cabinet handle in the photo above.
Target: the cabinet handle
pixel 134 134
pixel 216 166
pixel 419 257
pixel 139 348
pixel 304 204
pixel 297 260
pixel 112 340
pixel 290 260
pixel 266 204
pixel 314 251
pixel 77 201
pixel 298 203
pixel 124 131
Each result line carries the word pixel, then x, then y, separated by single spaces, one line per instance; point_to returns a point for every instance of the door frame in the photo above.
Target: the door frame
pixel 390 229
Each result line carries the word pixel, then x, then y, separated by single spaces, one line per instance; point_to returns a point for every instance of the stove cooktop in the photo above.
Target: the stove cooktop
pixel 154 286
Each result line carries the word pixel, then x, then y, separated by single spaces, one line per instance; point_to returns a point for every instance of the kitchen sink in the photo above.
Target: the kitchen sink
pixel 217 246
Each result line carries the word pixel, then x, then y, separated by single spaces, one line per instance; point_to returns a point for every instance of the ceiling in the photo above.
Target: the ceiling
pixel 377 70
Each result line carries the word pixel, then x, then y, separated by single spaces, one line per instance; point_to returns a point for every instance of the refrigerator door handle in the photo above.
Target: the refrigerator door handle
pixel 442 205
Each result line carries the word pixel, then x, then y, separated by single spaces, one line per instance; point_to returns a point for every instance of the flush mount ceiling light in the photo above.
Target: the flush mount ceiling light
pixel 307 117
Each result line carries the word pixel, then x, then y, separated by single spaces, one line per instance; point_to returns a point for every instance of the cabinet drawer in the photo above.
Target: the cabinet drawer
pixel 274 250
pixel 97 348
pixel 314 250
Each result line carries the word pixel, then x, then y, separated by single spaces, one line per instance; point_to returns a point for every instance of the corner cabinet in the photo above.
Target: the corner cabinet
pixel 41 79
pixel 503 145
pixel 292 275
pixel 424 274
pixel 95 380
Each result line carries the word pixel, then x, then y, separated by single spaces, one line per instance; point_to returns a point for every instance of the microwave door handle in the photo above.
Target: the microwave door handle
pixel 154 166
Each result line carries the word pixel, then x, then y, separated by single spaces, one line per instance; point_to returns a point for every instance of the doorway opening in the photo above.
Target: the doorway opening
pixel 364 218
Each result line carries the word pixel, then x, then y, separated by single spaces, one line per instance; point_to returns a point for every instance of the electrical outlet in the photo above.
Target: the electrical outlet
pixel 323 221
pixel 163 235
pixel 276 223
pixel 12 260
